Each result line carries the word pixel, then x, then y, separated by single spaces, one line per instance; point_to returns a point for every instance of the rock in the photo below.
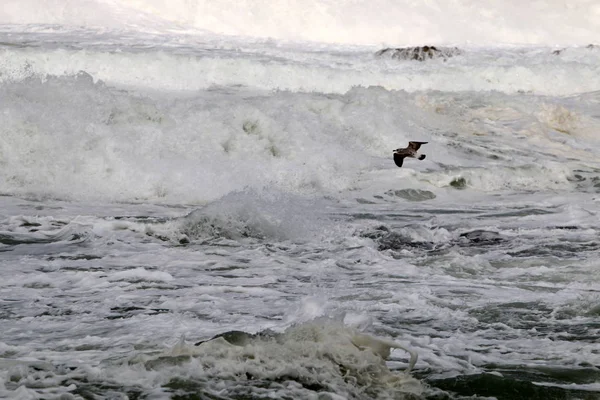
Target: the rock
pixel 480 236
pixel 459 183
pixel 420 53
pixel 399 241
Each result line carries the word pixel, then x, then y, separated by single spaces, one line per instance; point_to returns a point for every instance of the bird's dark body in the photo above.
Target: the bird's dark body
pixel 410 151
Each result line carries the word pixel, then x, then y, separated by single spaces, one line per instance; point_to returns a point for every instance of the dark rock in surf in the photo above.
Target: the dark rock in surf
pixel 419 53
pixel 376 233
pixel 394 241
pixel 459 183
pixel 589 47
pixel 480 236
pixel 398 241
pixel 387 239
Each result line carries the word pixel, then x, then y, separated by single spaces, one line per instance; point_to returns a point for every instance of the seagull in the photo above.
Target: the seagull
pixel 410 151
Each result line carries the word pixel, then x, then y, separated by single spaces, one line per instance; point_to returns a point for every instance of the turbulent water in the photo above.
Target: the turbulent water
pixel 164 182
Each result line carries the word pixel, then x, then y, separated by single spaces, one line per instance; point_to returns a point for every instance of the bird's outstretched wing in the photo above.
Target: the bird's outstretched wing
pixel 398 159
pixel 415 145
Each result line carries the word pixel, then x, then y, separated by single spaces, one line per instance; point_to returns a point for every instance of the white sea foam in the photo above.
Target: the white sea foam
pixel 73 138
pixel 112 145
pixel 141 274
pixel 197 68
pixel 312 353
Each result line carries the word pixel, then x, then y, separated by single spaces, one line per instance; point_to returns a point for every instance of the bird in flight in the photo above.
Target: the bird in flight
pixel 410 151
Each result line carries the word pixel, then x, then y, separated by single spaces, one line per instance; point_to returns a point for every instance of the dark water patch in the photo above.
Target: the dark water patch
pixel 58 381
pixel 569 249
pixel 27 224
pixel 18 239
pixel 367 216
pixel 360 200
pixel 449 211
pixel 519 213
pixel 83 268
pixel 56 311
pixel 75 257
pixel 584 332
pixel 38 285
pixel 233 276
pixel 533 287
pixel 145 285
pixel 412 194
pixel 185 389
pixel 594 311
pixel 539 320
pixel 35 242
pixel 576 178
pixel 512 385
pixel 416 323
pixel 580 375
pixel 131 311
pixel 585 180
pixel 21 45
pixel 515 314
pixel 226 268
pixel 249 387
pixel 7 307
pixel 245 387
pixel 101 390
pixel 146 219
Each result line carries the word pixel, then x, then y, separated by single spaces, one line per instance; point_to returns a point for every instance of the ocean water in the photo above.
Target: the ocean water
pixel 173 172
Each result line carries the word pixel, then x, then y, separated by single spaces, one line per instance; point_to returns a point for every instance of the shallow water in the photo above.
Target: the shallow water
pixel 495 304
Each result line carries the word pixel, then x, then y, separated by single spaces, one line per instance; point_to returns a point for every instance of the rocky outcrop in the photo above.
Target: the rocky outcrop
pixel 420 53
pixel 589 47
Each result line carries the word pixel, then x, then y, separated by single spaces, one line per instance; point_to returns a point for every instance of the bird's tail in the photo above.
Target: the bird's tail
pixel 422 157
